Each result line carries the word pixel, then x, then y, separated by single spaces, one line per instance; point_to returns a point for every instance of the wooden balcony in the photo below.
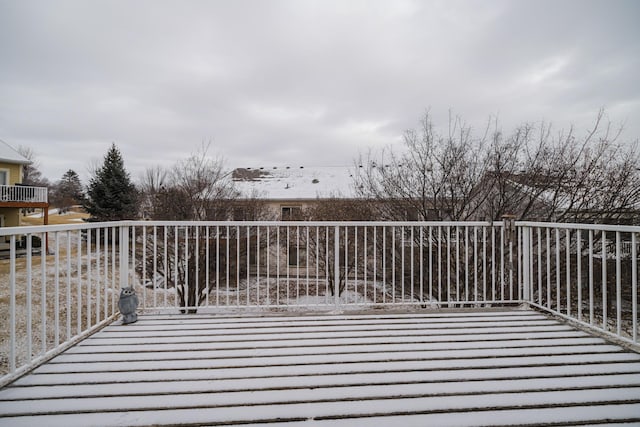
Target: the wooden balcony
pixel 21 196
pixel 465 368
pixel 471 324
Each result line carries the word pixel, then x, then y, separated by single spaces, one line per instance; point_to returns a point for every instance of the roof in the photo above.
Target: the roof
pixel 8 154
pixel 295 183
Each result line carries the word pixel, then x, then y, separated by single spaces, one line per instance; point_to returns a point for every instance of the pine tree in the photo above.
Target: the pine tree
pixel 111 195
pixel 68 191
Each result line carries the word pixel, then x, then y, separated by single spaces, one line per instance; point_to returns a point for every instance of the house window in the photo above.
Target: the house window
pixel 296 255
pixel 293 256
pixel 290 213
pixel 239 214
pixel 4 177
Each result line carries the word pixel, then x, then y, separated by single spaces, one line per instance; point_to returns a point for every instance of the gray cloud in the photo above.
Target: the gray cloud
pixel 299 82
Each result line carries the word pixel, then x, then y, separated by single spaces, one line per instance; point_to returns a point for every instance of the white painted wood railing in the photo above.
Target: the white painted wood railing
pixel 61 283
pixel 23 193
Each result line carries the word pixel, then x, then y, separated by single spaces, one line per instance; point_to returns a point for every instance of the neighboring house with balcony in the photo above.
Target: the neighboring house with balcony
pixel 13 195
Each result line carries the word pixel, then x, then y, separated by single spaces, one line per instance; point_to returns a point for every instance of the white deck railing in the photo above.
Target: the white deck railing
pixel 60 283
pixel 23 193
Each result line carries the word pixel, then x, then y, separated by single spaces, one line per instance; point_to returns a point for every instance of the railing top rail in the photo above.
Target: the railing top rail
pixel 21 186
pixel 6 231
pixel 320 223
pixel 33 229
pixel 574 226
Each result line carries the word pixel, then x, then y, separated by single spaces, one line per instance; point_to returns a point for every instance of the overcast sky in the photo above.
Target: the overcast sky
pixel 300 82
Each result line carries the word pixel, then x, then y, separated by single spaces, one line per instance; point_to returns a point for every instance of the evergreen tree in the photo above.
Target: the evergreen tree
pixel 68 191
pixel 111 195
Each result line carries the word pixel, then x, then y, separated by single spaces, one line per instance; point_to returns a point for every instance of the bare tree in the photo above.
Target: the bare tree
pixel 434 178
pixel 322 242
pixel 31 174
pixel 533 173
pixel 152 183
pixel 197 188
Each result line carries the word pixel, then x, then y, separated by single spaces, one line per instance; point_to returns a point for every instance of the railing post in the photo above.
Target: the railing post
pixel 124 256
pixel 510 239
pixel 336 266
pixel 526 263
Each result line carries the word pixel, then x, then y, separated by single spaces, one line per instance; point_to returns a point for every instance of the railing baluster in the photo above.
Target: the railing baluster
pixel 539 250
pixel 155 266
pixel 526 268
pixel 248 255
pixel 618 286
pixel 634 287
pixel 548 241
pixel 475 263
pixel 484 263
pixel 187 287
pixel 258 301
pixel 431 265
pixel 448 293
pixel 12 305
pixel 267 265
pixel 288 263
pixel 238 266
pixel 604 281
pixel 79 284
pixel 579 268
pixel 458 298
pixel 591 297
pixel 68 273
pixel 440 264
pixel 355 261
pixel 227 266
pixel 384 264
pixel 196 260
pixel 421 263
pixel 493 263
pixel 365 261
pixel 568 269
pixel 29 297
pixel 56 292
pixel 402 263
pixel 336 265
pixel 375 263
pixel 165 266
pixel 89 282
pixel 393 264
pixel 176 262
pixel 466 264
pixel 277 265
pixel 558 304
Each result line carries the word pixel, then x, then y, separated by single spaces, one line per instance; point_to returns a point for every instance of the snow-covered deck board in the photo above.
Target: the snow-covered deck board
pixel 451 368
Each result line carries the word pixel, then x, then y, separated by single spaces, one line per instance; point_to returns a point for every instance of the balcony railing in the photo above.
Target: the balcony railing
pixel 51 300
pixel 23 194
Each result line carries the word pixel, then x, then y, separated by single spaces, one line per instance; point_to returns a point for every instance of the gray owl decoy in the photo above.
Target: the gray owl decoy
pixel 128 303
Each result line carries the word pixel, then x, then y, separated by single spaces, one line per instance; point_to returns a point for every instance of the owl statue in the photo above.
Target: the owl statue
pixel 127 304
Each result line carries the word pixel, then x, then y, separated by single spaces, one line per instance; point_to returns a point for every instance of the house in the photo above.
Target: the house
pixel 286 191
pixel 13 195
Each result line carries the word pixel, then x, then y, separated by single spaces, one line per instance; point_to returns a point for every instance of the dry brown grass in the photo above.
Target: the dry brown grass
pixel 75 291
pixel 55 219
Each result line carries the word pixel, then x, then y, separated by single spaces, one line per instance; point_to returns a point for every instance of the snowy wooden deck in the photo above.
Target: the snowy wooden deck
pixel 451 368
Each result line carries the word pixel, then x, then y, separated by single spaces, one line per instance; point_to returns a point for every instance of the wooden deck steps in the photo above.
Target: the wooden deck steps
pixel 510 367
